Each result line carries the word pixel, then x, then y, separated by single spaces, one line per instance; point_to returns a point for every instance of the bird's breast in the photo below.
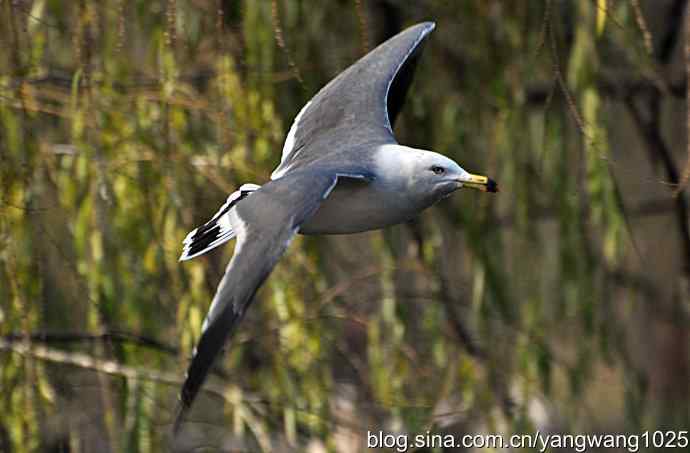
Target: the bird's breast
pixel 355 206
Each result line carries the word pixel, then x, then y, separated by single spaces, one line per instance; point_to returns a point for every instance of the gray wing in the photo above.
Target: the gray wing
pixel 359 106
pixel 265 222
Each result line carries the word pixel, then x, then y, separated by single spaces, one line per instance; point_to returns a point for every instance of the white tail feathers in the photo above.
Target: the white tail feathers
pixel 216 231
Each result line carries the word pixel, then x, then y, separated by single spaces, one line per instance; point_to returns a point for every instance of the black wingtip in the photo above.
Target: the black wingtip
pixel 179 418
pixel 189 390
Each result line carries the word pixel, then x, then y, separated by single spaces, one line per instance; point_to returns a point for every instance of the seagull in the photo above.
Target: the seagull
pixel 341 172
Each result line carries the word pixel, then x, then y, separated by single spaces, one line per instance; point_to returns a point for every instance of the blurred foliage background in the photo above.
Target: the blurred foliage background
pixel 561 304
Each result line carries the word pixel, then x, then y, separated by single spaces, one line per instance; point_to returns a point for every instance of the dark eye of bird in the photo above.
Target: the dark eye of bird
pixel 438 170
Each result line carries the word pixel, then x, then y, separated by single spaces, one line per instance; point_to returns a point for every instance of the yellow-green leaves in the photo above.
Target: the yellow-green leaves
pixel 602 12
pixel 604 202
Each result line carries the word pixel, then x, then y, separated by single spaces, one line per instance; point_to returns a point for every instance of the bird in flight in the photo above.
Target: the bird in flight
pixel 341 171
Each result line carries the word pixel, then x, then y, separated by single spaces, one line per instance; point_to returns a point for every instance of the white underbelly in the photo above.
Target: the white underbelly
pixel 356 206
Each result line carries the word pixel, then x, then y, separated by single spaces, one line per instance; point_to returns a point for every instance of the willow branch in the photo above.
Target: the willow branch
pixel 28 349
pixel 75 337
pixel 650 130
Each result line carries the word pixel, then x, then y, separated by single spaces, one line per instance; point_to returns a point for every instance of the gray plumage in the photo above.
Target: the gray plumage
pixel 350 115
pixel 341 172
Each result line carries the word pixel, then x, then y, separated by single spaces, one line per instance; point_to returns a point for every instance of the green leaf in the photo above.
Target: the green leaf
pixel 602 12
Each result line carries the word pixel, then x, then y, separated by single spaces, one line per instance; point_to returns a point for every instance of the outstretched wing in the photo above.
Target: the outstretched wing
pixel 265 223
pixel 359 106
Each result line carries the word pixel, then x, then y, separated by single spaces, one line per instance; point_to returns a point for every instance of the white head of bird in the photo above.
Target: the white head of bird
pixel 427 174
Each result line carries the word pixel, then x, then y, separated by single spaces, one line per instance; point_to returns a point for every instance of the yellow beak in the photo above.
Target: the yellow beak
pixel 480 182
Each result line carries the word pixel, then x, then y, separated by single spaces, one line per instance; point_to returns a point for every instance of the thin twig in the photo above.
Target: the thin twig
pixel 654 75
pixel 544 28
pixel 278 31
pixel 642 24
pixel 171 30
pixel 649 130
pixel 686 171
pixel 109 367
pixel 120 43
pixel 78 337
pixel 220 26
pixel 563 85
pixel 363 26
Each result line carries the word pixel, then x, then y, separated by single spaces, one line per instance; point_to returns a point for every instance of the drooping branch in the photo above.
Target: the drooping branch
pixel 685 177
pixel 231 394
pixel 110 367
pixel 616 88
pixel 82 360
pixel 674 19
pixel 649 128
pixel 78 337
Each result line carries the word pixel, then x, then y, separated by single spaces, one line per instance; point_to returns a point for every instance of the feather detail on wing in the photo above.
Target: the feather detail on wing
pixel 216 231
pixel 265 223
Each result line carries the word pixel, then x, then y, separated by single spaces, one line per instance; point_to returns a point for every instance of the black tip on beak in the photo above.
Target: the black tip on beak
pixel 491 186
pixel 479 182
